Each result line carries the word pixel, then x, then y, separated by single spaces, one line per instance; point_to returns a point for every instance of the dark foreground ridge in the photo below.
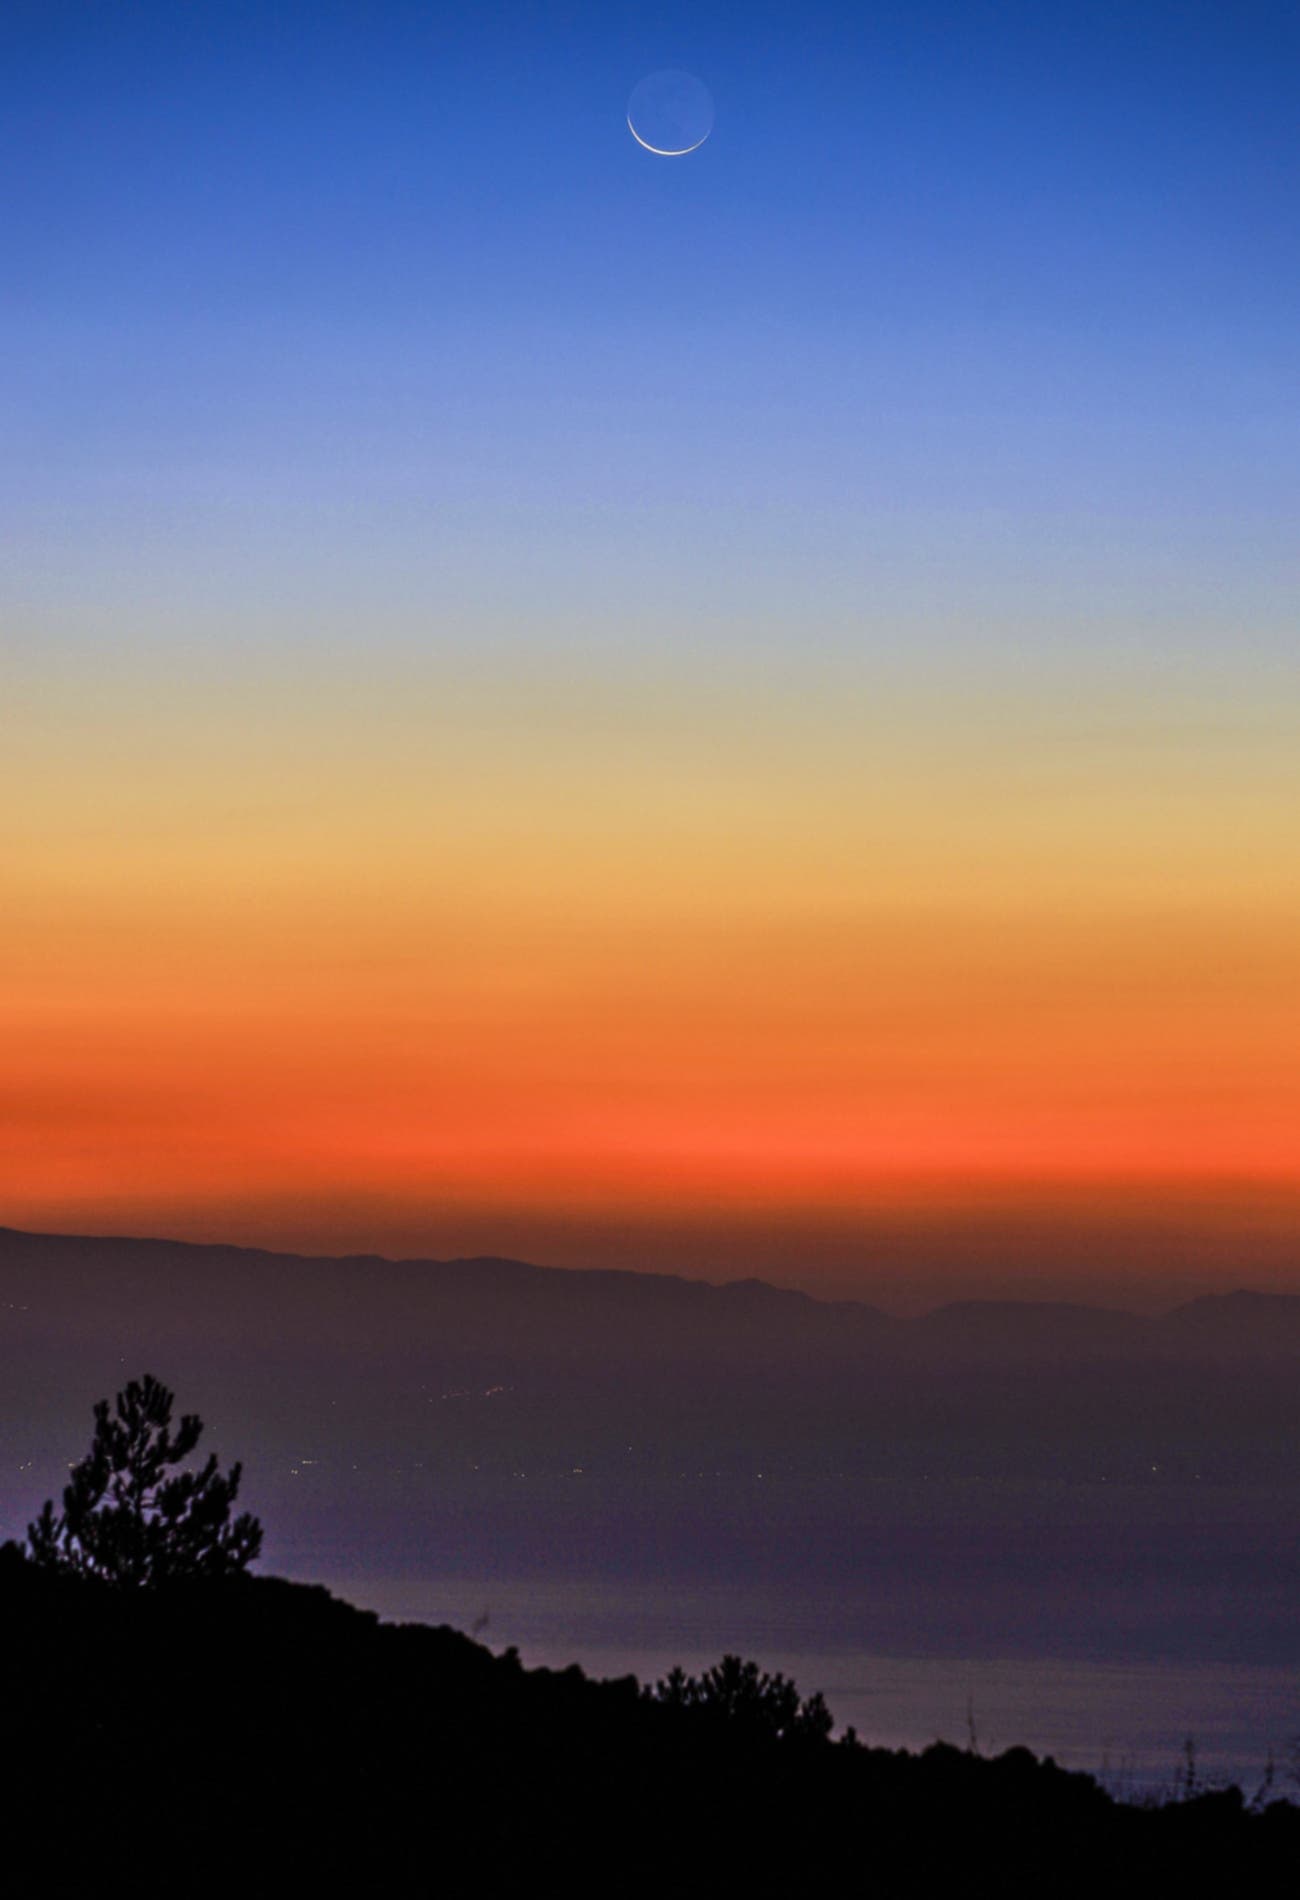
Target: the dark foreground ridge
pixel 257 1736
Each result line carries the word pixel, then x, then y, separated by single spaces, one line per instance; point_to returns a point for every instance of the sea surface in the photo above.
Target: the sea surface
pixel 1131 1723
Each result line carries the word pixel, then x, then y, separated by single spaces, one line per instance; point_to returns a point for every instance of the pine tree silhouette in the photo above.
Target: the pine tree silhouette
pixel 766 1707
pixel 126 1521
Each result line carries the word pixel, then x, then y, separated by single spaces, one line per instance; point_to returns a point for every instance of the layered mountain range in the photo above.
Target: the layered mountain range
pixel 491 1416
pixel 128 1288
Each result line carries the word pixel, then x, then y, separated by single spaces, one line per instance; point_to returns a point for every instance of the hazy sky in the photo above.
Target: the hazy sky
pixel 647 709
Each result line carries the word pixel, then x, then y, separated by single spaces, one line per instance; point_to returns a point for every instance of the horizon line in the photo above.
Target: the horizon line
pixel 633 1273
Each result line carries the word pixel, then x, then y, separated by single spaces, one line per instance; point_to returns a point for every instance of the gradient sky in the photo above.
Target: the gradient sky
pixel 706 712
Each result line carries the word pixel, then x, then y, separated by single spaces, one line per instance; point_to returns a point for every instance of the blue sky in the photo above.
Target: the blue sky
pixel 963 311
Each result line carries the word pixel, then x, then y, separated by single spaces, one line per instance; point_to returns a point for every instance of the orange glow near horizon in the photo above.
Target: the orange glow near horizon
pixel 807 959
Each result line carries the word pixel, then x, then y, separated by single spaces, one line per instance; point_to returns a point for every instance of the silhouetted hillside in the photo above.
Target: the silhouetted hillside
pixel 262 1737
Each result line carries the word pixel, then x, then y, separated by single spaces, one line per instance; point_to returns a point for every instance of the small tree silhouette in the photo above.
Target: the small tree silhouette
pixel 767 1708
pixel 125 1521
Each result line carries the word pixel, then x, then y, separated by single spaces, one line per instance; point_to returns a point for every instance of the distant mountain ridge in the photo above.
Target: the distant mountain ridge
pixel 1242 1315
pixel 490 1418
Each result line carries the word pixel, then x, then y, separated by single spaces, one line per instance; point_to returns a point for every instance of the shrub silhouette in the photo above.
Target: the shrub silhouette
pixel 761 1706
pixel 125 1521
pixel 382 1755
pixel 240 1734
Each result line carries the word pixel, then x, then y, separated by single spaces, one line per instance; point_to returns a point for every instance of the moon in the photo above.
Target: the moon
pixel 670 113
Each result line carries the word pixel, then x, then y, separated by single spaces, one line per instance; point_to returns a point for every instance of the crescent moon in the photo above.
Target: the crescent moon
pixel 665 151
